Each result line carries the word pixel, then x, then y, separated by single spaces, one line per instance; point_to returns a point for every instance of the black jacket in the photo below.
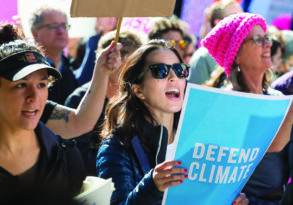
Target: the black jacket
pixel 62 88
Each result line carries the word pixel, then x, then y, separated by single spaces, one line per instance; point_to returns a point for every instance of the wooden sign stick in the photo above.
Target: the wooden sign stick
pixel 119 21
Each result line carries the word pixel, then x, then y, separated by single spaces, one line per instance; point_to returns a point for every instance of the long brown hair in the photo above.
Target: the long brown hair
pixel 126 111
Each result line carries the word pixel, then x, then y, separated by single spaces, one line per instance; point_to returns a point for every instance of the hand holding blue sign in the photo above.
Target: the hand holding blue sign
pixel 241 200
pixel 167 174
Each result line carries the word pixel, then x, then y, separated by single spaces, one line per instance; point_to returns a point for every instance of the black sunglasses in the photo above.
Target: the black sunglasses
pixel 161 70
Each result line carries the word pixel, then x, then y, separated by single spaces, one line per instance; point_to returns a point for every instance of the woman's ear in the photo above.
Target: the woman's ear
pixel 137 91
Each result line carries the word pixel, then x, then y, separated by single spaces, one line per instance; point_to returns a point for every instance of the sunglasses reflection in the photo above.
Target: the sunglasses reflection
pixel 161 70
pixel 180 44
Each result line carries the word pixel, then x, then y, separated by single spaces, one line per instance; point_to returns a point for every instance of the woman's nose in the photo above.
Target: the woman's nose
pixel 32 94
pixel 172 75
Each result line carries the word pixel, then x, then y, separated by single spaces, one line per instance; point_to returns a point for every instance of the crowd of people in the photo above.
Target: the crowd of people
pixel 114 113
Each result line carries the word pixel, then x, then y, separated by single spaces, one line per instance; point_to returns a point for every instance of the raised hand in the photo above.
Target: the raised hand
pixel 109 59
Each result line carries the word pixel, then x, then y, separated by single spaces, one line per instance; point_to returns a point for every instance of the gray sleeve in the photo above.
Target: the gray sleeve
pixel 201 68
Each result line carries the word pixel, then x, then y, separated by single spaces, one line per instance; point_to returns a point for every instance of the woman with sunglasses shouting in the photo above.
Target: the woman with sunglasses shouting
pixel 140 123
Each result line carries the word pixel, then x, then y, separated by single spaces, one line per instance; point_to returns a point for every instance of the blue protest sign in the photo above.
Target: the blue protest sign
pixel 221 138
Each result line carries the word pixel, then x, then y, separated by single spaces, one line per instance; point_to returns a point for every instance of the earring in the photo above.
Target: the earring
pixel 238 69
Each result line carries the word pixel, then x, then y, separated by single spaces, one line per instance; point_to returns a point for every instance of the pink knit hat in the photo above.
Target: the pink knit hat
pixel 225 39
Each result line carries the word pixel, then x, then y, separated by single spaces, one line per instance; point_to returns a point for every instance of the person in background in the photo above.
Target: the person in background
pixel 89 142
pixel 141 122
pixel 202 64
pixel 216 12
pixel 277 61
pixel 76 52
pixel 189 48
pixel 218 78
pixel 277 52
pixel 241 45
pixel 49 27
pixel 33 159
pixel 84 73
pixel 285 82
pixel 169 29
pixel 287 36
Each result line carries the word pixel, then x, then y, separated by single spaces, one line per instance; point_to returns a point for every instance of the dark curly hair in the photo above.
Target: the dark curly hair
pixel 9 32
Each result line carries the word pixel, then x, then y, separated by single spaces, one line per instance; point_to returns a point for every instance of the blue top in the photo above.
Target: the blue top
pixel 84 73
pixel 284 83
pixel 130 166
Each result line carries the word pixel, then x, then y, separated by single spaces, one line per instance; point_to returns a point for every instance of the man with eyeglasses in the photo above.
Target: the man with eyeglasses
pixel 49 27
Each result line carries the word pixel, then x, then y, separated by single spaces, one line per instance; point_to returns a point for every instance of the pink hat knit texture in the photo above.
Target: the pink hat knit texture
pixel 225 39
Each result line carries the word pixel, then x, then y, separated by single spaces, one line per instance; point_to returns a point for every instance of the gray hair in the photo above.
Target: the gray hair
pixel 37 17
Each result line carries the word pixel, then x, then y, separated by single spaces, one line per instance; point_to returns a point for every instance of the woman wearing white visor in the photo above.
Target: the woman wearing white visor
pixel 33 162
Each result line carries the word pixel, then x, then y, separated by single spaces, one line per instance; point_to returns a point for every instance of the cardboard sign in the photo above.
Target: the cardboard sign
pixel 221 138
pixel 121 8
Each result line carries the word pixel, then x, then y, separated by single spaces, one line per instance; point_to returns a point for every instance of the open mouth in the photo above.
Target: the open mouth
pixel 173 93
pixel 266 55
pixel 30 113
